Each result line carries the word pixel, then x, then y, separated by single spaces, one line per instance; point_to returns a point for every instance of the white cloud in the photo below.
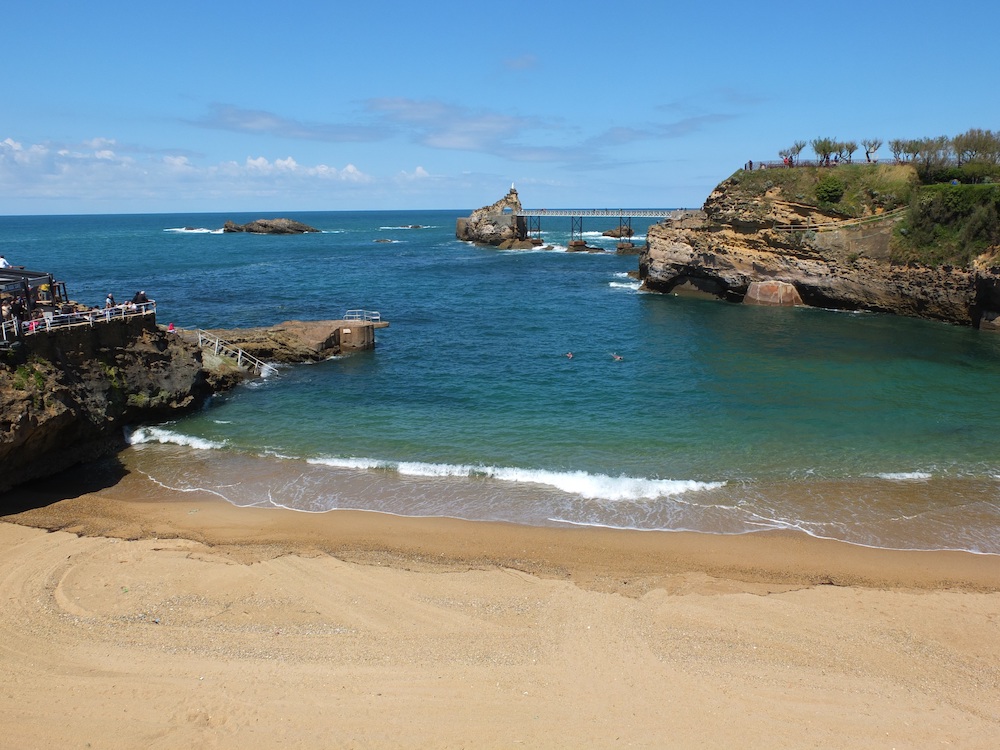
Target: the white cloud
pixel 88 172
pixel 417 175
pixel 261 122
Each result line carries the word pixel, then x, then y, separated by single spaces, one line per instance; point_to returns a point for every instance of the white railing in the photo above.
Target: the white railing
pixel 370 316
pixel 50 320
pixel 209 341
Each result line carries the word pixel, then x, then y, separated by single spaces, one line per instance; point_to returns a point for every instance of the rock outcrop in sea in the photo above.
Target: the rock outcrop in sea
pixel 496 224
pixel 776 251
pixel 270 226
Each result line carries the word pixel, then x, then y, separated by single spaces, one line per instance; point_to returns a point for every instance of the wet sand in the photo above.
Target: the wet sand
pixel 138 617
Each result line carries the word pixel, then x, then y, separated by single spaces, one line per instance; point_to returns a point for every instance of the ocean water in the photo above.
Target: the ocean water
pixel 867 428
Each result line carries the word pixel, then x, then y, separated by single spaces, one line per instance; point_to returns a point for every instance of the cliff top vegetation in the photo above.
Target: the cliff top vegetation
pixel 949 185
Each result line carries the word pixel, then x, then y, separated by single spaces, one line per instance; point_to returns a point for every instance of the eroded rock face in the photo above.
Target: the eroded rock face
pixel 731 245
pixel 772 294
pixel 270 226
pixel 68 400
pixel 494 224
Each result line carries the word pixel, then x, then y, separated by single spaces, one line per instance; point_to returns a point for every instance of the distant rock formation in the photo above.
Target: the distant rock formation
pixel 270 226
pixel 496 224
pixel 619 232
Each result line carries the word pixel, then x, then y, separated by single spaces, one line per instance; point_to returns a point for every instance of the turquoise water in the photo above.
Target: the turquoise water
pixel 719 418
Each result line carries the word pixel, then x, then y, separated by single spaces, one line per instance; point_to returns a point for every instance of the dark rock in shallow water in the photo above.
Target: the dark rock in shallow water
pixel 270 226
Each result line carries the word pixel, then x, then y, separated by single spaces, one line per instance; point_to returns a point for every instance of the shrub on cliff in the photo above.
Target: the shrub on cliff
pixel 949 224
pixel 829 189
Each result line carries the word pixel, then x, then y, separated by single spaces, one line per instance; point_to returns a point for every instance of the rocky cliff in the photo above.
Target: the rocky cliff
pixel 66 396
pixel 772 249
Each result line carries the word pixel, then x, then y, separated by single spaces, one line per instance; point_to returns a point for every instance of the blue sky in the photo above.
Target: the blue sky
pixel 115 107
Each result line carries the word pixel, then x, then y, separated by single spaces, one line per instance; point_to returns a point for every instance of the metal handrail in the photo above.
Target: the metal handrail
pixel 257 366
pixel 48 321
pixel 370 316
pixel 842 224
pixel 650 213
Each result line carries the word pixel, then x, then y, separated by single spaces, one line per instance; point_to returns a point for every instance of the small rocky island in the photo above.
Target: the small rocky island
pixel 270 226
pixel 500 226
pixel 497 224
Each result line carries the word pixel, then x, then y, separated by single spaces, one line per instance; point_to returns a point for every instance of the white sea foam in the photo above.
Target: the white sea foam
pixel 348 463
pixel 602 486
pixel 161 435
pixel 632 285
pixel 905 476
pixel 581 483
pixel 193 230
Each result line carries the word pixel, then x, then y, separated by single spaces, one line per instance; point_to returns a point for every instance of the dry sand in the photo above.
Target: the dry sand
pixel 150 620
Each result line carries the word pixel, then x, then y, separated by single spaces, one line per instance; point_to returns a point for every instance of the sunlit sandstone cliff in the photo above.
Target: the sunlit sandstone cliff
pixel 774 251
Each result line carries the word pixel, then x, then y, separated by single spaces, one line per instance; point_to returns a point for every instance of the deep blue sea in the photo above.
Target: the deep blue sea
pixel 718 418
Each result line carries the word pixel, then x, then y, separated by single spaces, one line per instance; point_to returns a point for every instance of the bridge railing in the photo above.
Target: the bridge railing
pixel 370 316
pixel 614 213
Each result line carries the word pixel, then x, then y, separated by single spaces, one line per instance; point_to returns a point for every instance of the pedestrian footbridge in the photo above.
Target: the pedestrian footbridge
pixel 533 217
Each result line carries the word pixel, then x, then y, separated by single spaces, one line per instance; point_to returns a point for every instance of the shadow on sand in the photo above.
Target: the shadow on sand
pixel 69 484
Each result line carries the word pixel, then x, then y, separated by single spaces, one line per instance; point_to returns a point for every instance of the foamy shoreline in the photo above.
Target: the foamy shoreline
pixel 905 511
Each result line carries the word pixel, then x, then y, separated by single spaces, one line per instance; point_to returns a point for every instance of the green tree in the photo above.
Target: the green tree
pixel 976 145
pixel 932 154
pixel 824 148
pixel 871 146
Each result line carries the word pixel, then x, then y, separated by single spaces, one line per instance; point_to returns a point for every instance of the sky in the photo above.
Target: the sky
pixel 125 107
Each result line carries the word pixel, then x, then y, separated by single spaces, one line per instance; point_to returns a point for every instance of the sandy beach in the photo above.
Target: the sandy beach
pixel 135 617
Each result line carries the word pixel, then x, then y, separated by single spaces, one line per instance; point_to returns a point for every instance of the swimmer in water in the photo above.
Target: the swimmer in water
pixel 569 355
pixel 617 358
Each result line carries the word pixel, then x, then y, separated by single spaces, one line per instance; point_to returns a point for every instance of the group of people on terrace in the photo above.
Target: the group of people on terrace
pixel 30 301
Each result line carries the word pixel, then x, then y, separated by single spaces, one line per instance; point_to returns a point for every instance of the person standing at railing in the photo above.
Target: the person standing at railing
pixel 109 301
pixel 17 315
pixel 4 263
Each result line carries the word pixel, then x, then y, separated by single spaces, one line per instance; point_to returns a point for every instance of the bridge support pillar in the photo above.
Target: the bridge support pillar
pixel 535 226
